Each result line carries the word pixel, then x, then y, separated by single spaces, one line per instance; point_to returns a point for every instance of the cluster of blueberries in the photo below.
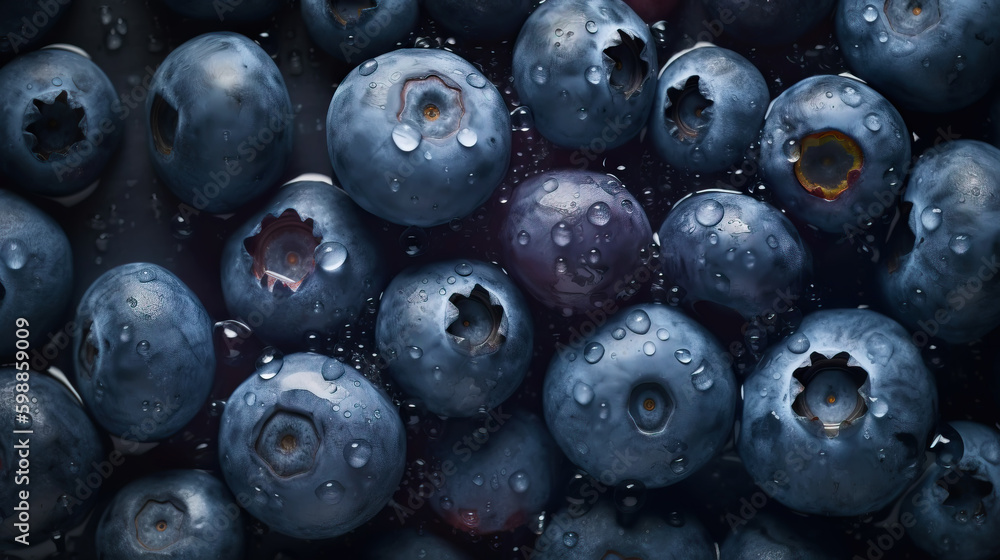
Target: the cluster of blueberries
pixel 834 415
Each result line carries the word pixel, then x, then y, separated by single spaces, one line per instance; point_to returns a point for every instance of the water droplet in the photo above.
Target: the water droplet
pixel 850 96
pixel 637 321
pixel 872 122
pixel 519 482
pixel 467 137
pixel 269 363
pixel 561 234
pixel 678 465
pixel 406 137
pixel 476 80
pixel 721 282
pixel 332 369
pixel 14 254
pixel 960 244
pixel 550 185
pixel 593 352
pixel 539 74
pixel 570 539
pixel 250 399
pixel 798 343
pixel 599 214
pixel 713 239
pixel 57 82
pixel 358 453
pixel 930 218
pixel 591 27
pixel 446 503
pixel 593 75
pixel 618 333
pixel 683 356
pixel 883 36
pixel 662 334
pixel 330 492
pixel 142 347
pixel 709 213
pixel 648 348
pixel 463 269
pixel 523 237
pixel 478 479
pixel 772 241
pixel 879 408
pixel 469 517
pixel 368 67
pixel 146 275
pixel 700 378
pixel 870 14
pixel 415 352
pixel 521 119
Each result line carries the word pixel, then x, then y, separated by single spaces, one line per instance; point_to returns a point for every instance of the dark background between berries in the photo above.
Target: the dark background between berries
pixel 132 217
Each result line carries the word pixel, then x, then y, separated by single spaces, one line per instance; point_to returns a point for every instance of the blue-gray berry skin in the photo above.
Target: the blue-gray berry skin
pixel 225 12
pixel 60 122
pixel 772 537
pixel 311 447
pixel 709 107
pixel 934 56
pixel 180 515
pixel 836 416
pixel 649 397
pixel 587 70
pixel 36 272
pixel 767 22
pixel 409 544
pixel 60 451
pixel 220 122
pixel 599 534
pixel 143 353
pixel 418 136
pixel 457 334
pixel 575 240
pixel 480 20
pixel 307 260
pixel 834 149
pixel 733 250
pixel 356 31
pixel 503 471
pixel 954 510
pixel 947 286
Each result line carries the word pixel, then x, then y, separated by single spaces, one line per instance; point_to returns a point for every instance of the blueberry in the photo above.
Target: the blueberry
pixel 418 137
pixel 480 20
pixel 649 397
pixel 587 71
pixel 36 272
pixel 836 416
pixel 835 152
pixel 499 473
pixel 599 534
pixel 733 250
pixel 61 122
pixel 356 30
pixel 310 447
pixel 955 508
pixel 308 259
pixel 767 22
pixel 770 537
pixel 408 544
pixel 947 285
pixel 225 11
pixel 575 240
pixel 219 121
pixel 926 55
pixel 709 107
pixel 181 515
pixel 457 334
pixel 24 24
pixel 61 448
pixel 652 10
pixel 143 353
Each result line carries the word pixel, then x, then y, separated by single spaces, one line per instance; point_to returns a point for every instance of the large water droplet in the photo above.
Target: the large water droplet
pixel 678 465
pixel 850 96
pixel 879 408
pixel 662 334
pixel 700 378
pixel 648 348
pixel 960 244
pixel 368 67
pixel 583 393
pixel 332 369
pixel 476 80
pixel 463 269
pixel 142 347
pixel 250 399
pixel 519 482
pixel 570 538
pixel 872 122
pixel 358 453
pixel 870 14
pixel 539 74
pixel 146 275
pixel 330 256
pixel 415 352
pixel 14 254
pixel 618 333
pixel 772 241
pixel 523 237
pixel 550 185
pixel 709 213
pixel 561 234
pixel 930 218
pixel 593 75
pixel 467 137
pixel 599 214
pixel 406 137
pixel 330 492
pixel 683 356
pixel 593 352
pixel 637 321
pixel 269 363
pixel 798 343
